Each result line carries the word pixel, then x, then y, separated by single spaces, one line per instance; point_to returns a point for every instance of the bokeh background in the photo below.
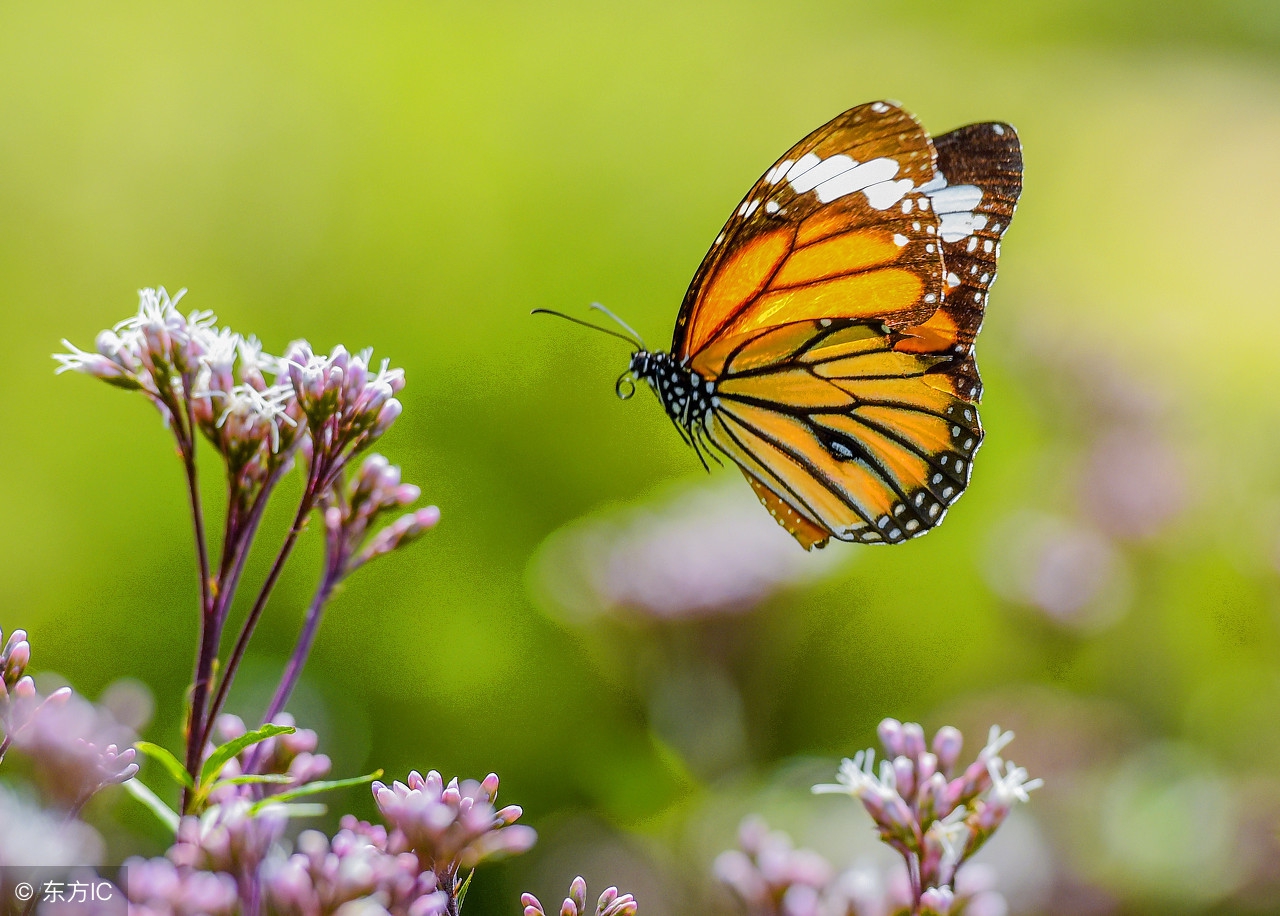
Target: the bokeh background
pixel 630 643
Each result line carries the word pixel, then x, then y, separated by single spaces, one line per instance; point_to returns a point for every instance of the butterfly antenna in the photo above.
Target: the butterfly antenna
pixel 632 331
pixel 635 342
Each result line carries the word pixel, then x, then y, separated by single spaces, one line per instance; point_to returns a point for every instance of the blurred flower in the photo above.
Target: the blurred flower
pixel 1132 483
pixel 1170 828
pixel 609 904
pixel 230 838
pixel 769 875
pixel 773 878
pixel 157 887
pixel 924 806
pixel 78 748
pixel 326 876
pixel 293 755
pixel 450 827
pixel 708 550
pixel 31 835
pixel 1070 572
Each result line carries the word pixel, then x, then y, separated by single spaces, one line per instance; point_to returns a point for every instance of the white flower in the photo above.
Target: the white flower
pixel 251 407
pixel 952 834
pixel 1012 784
pixel 997 741
pixel 856 777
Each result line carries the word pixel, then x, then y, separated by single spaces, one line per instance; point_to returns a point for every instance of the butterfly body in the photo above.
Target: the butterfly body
pixel 684 394
pixel 825 345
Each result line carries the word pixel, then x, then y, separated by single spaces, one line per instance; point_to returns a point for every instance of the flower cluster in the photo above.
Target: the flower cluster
pixel 351 513
pixel 78 748
pixel 933 813
pixel 233 858
pixel 771 877
pixel 450 827
pixel 261 413
pixel 348 406
pixel 611 903
pixel 323 875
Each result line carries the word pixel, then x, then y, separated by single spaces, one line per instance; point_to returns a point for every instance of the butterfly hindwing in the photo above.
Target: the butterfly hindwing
pixel 846 430
pixel 974 193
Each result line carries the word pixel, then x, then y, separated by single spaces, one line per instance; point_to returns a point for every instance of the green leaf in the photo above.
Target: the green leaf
pixel 252 778
pixel 311 788
pixel 315 810
pixel 172 765
pixel 462 891
pixel 167 815
pixel 224 752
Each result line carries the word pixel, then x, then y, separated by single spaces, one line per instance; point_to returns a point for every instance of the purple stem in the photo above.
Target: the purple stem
pixel 298 660
pixel 913 871
pixel 246 632
pixel 4 746
pixel 210 626
pixel 289 679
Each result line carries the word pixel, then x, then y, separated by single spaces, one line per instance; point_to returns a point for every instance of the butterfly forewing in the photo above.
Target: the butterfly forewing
pixel 836 228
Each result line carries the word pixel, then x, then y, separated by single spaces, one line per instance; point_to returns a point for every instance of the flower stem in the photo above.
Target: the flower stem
pixel 210 625
pixel 246 632
pixel 298 660
pixel 913 872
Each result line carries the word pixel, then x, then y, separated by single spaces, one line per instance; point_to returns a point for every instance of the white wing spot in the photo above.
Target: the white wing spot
pixel 973 243
pixel 771 207
pixel 879 107
pixel 906 205
pixel 998 129
pixel 986 245
pixel 778 172
pixel 900 240
pixel 952 279
pixel 818 172
pixel 865 177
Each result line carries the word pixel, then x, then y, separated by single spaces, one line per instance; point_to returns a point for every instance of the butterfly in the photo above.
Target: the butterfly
pixel 826 343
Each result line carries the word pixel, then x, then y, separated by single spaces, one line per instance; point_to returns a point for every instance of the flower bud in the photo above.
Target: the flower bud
pixel 947 744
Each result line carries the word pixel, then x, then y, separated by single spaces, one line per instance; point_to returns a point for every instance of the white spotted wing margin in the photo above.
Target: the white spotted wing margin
pixel 857 438
pixel 975 193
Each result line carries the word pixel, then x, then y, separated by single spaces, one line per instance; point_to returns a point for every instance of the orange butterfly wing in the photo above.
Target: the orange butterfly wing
pixel 835 315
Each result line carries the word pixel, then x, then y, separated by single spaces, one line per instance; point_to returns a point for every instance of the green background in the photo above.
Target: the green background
pixel 415 177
